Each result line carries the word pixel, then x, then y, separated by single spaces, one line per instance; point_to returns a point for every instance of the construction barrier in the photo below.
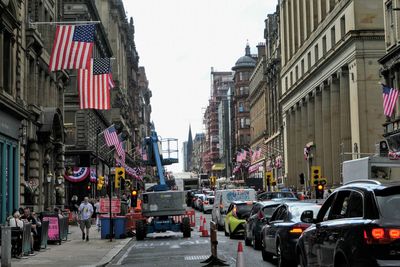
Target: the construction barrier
pixel 131 219
pixel 190 214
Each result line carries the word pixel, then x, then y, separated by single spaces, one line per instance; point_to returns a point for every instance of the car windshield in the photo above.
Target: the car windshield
pixel 269 210
pixel 297 210
pixel 389 203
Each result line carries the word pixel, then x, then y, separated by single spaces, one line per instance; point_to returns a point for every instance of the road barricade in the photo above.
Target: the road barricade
pixel 131 219
pixel 190 214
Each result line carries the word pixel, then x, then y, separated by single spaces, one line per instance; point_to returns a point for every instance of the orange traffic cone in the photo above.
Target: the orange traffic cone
pixel 240 259
pixel 201 225
pixel 204 233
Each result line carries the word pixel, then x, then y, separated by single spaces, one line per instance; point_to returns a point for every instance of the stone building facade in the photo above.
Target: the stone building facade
pixel 331 104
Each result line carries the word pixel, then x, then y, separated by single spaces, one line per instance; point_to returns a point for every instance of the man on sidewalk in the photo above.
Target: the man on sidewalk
pixel 85 211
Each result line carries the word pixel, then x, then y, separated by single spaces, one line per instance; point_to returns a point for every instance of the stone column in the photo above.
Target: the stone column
pixel 319 147
pixel 304 135
pixel 292 148
pixel 299 143
pixel 345 126
pixel 326 131
pixel 335 129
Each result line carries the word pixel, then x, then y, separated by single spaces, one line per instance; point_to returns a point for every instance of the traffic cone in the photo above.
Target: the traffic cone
pixel 204 233
pixel 201 225
pixel 240 259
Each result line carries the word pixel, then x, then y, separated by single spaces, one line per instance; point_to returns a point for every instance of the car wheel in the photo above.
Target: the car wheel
pixel 281 260
pixel 266 255
pixel 257 242
pixel 301 260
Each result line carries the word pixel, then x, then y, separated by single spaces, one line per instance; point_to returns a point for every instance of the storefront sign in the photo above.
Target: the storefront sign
pixel 54 230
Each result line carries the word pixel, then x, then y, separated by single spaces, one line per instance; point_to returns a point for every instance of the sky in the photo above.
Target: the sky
pixel 178 41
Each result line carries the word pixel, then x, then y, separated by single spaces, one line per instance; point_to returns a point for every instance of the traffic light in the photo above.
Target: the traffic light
pixel 134 196
pixel 119 174
pixel 100 182
pixel 319 191
pixel 268 178
pixel 301 175
pixel 315 175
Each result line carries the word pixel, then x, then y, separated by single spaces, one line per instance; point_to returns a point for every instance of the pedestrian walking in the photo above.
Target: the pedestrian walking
pixel 85 214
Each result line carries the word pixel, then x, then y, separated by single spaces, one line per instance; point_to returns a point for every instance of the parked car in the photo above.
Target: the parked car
pixel 358 225
pixel 208 203
pixel 236 216
pixel 273 195
pixel 199 201
pixel 259 215
pixel 223 198
pixel 279 236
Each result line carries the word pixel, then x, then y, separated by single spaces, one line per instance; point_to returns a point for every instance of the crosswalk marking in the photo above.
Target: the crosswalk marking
pixel 196 258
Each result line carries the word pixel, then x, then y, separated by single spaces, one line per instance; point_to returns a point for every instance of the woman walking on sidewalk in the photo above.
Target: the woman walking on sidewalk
pixel 85 211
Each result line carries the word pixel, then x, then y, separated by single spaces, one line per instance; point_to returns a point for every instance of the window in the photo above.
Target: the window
pixel 333 37
pixel 326 207
pixel 7 67
pixel 268 211
pixel 342 26
pixel 302 67
pixel 297 73
pixel 324 45
pixel 279 214
pixel 241 107
pixel 340 205
pixel 316 52
pixel 355 206
pixel 309 60
pixel 291 78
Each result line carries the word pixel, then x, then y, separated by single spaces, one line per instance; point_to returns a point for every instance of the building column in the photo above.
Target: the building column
pixel 345 126
pixel 319 147
pixel 335 129
pixel 299 144
pixel 304 135
pixel 292 147
pixel 326 131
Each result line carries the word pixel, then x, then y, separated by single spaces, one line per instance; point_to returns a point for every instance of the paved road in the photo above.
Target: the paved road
pixel 171 249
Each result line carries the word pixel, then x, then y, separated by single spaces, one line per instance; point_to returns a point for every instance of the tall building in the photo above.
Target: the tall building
pixel 331 101
pixel 221 83
pixel 243 69
pixel 198 149
pixel 189 152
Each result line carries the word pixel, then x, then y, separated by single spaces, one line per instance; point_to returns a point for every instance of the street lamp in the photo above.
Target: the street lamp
pixel 60 179
pixel 49 176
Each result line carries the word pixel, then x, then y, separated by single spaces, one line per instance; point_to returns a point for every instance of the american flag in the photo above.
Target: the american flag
pixel 111 137
pixel 72 47
pixel 389 99
pixel 119 160
pixel 120 150
pixel 94 84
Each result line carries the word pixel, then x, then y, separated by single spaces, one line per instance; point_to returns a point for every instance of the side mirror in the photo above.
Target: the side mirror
pixel 307 216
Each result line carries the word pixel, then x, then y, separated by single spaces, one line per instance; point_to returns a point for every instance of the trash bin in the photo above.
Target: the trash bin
pixel 105 227
pixel 119 226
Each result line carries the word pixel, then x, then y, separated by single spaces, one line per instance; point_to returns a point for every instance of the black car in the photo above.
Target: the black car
pixel 273 195
pixel 279 236
pixel 259 215
pixel 358 225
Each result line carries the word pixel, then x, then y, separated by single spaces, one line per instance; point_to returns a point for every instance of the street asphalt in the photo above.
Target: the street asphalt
pixel 171 249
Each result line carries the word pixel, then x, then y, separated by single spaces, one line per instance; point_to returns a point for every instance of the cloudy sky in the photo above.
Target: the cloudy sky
pixel 178 42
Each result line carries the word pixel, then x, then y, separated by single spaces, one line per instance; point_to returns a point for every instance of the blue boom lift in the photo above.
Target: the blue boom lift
pixel 162 204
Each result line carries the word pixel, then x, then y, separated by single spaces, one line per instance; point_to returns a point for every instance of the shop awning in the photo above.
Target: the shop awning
pixel 218 167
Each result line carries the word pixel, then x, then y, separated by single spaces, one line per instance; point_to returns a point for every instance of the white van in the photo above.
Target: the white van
pixel 222 200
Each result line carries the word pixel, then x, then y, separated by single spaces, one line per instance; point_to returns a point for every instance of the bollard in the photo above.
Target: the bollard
pixel 213 259
pixel 5 246
pixel 26 239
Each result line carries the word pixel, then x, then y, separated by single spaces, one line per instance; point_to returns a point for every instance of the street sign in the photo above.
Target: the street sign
pixel 105 205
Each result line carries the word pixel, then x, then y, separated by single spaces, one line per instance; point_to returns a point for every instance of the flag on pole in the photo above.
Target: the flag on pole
pixel 389 99
pixel 111 137
pixel 94 84
pixel 72 47
pixel 120 151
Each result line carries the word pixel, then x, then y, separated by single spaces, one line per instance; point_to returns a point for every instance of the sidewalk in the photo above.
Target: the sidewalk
pixel 75 251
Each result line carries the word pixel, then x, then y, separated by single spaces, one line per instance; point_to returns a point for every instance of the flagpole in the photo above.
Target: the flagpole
pixel 64 22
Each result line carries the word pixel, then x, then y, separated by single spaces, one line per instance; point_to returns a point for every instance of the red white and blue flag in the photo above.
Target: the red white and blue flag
pixel 72 47
pixel 111 137
pixel 94 84
pixel 390 96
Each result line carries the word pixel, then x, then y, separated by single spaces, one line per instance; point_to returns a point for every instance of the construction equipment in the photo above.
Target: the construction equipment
pixel 162 204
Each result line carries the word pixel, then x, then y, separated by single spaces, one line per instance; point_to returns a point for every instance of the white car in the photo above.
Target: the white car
pixel 199 201
pixel 208 204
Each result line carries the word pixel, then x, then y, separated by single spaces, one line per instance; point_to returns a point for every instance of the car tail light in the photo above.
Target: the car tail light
pixel 206 202
pixel 298 228
pixel 381 235
pixel 260 215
